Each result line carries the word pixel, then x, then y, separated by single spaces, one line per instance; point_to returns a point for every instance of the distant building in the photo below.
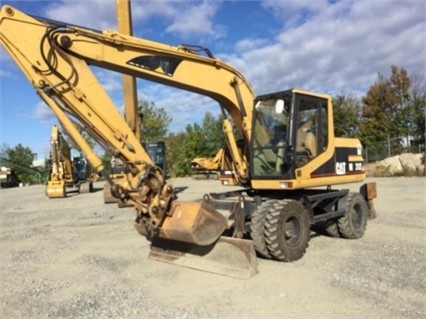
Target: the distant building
pixel 8 178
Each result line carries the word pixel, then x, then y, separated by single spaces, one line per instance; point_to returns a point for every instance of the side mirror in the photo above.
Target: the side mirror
pixel 279 106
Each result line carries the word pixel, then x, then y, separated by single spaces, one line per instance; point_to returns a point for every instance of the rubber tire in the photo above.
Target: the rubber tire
pixel 332 229
pixel 353 224
pixel 287 215
pixel 257 228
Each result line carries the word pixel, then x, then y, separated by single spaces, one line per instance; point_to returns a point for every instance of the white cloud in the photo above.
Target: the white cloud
pixel 196 20
pixel 249 44
pixel 189 18
pixel 111 81
pixel 340 48
pixel 294 12
pixel 43 113
pixel 97 14
pixel 182 106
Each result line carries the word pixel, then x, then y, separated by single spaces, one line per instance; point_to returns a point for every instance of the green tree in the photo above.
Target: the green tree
pixel 20 159
pixel 213 137
pixel 175 157
pixel 386 109
pixel 418 94
pixel 203 140
pixel 404 113
pixel 106 161
pixel 346 109
pixel 155 122
pixel 193 146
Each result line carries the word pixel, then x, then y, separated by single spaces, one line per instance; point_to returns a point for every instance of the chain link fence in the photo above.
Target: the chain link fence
pixel 392 147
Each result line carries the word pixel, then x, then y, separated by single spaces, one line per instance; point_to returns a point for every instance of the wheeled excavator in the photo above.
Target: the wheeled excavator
pixel 66 171
pixel 287 167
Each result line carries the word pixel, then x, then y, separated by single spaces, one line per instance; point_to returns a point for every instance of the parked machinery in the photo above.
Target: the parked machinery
pixel 207 167
pixel 287 167
pixel 66 171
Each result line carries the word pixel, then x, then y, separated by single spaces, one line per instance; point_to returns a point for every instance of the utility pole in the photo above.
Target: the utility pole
pixel 125 26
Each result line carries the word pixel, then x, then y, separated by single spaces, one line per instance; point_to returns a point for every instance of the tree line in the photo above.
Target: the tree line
pixel 393 109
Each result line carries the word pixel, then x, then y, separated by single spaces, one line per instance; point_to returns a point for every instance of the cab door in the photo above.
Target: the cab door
pixel 310 129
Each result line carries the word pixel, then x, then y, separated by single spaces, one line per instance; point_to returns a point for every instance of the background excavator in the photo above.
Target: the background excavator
pixel 218 167
pixel 287 165
pixel 66 171
pixel 207 167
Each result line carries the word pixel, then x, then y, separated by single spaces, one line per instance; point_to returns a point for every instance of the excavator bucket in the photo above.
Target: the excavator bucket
pixel 191 237
pixel 193 223
pixel 227 256
pixel 56 189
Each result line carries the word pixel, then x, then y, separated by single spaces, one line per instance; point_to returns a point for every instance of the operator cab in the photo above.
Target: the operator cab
pixel 157 152
pixel 290 129
pixel 81 168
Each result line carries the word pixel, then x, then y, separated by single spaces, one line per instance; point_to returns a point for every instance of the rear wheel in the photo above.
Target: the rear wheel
pixel 257 228
pixel 287 230
pixel 354 223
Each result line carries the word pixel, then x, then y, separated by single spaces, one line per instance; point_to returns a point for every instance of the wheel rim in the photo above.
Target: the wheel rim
pixel 292 231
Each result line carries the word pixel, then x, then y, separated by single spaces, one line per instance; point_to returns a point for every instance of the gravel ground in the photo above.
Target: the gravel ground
pixel 79 258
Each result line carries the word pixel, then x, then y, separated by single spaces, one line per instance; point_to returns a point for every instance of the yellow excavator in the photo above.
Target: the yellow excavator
pixel 286 169
pixel 207 167
pixel 66 171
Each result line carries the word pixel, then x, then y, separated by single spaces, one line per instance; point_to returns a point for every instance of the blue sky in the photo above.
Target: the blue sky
pixel 326 46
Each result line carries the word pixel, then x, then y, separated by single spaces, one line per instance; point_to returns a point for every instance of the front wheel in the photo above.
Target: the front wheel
pixel 257 228
pixel 287 230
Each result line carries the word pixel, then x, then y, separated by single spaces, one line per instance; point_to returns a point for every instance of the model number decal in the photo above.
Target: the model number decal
pixel 341 167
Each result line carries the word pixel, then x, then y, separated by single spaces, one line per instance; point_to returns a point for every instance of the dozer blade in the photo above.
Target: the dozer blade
pixel 56 189
pixel 230 257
